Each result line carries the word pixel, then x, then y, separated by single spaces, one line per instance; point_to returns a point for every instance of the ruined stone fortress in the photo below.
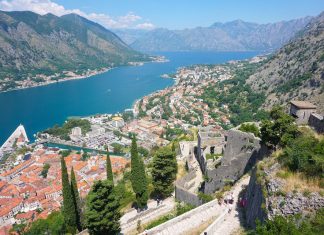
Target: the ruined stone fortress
pixel 230 155
pixel 221 157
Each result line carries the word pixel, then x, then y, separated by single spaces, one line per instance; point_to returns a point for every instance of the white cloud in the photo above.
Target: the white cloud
pixel 130 20
pixel 145 26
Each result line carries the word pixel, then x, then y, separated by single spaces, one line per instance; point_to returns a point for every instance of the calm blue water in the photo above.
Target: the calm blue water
pixel 41 107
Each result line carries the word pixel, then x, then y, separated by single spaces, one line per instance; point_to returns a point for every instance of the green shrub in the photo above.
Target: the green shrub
pixel 250 128
pixel 292 225
pixel 305 154
pixel 205 197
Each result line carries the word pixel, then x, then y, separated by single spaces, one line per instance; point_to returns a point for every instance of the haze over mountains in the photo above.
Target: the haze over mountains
pixel 236 35
pixel 45 44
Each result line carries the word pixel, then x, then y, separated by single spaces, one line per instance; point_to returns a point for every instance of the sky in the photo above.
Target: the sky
pixel 172 14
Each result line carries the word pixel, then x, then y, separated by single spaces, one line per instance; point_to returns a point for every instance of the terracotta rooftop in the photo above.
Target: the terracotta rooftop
pixel 303 104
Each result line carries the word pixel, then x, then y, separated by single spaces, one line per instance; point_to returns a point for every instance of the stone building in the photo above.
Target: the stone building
pixel 210 141
pixel 76 133
pixel 317 122
pixel 117 122
pixel 301 110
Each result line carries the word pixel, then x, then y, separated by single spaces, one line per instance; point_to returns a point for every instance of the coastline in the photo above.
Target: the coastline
pixel 78 77
pixel 91 73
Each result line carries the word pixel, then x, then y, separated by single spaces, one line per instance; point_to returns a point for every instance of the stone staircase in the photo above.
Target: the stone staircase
pixel 188 221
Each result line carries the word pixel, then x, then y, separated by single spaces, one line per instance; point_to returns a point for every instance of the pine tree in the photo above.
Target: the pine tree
pixel 110 175
pixel 138 177
pixel 76 200
pixel 164 172
pixel 68 205
pixel 102 209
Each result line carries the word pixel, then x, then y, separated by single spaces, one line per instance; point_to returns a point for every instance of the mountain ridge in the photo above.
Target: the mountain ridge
pixel 295 71
pixel 236 35
pixel 33 44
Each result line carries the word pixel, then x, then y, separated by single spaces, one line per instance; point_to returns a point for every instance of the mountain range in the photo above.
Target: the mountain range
pixel 33 44
pixel 236 35
pixel 295 71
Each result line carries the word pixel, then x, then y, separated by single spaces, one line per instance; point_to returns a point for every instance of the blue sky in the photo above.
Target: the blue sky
pixel 173 14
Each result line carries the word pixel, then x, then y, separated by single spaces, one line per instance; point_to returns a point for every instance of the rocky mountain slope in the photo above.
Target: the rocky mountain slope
pixel 231 36
pixel 296 71
pixel 33 44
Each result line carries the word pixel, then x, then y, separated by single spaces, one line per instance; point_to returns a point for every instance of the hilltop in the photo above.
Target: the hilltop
pixel 296 70
pixel 33 44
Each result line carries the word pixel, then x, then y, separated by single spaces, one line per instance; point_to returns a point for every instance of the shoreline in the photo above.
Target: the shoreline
pixel 91 74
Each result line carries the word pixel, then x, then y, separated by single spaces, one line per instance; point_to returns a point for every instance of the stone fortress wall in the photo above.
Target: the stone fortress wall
pixel 183 193
pixel 241 152
pixel 266 200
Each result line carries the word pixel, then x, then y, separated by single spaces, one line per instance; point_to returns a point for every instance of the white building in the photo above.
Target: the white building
pixel 117 122
pixel 76 131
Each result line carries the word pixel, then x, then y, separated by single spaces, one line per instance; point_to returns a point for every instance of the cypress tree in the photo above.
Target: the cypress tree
pixel 76 200
pixel 164 172
pixel 102 209
pixel 68 205
pixel 110 175
pixel 138 177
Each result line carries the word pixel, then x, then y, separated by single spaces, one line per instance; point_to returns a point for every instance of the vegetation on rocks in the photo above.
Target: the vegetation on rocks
pixel 295 71
pixel 294 225
pixel 242 101
pixel 305 154
pixel 85 45
pixel 250 128
pixel 279 130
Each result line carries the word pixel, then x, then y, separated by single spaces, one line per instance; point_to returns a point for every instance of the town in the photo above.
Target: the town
pixel 206 142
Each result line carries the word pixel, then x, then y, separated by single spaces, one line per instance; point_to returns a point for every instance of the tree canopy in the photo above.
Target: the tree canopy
pixel 53 224
pixel 138 177
pixel 110 175
pixel 164 172
pixel 102 209
pixel 76 200
pixel 279 130
pixel 68 204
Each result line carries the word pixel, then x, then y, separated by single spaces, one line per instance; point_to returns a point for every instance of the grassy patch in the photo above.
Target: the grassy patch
pixel 181 170
pixel 159 221
pixel 180 209
pixel 298 182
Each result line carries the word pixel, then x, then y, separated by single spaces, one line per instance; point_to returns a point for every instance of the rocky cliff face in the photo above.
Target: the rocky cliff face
pixel 296 71
pixel 267 196
pixel 231 36
pixel 33 44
